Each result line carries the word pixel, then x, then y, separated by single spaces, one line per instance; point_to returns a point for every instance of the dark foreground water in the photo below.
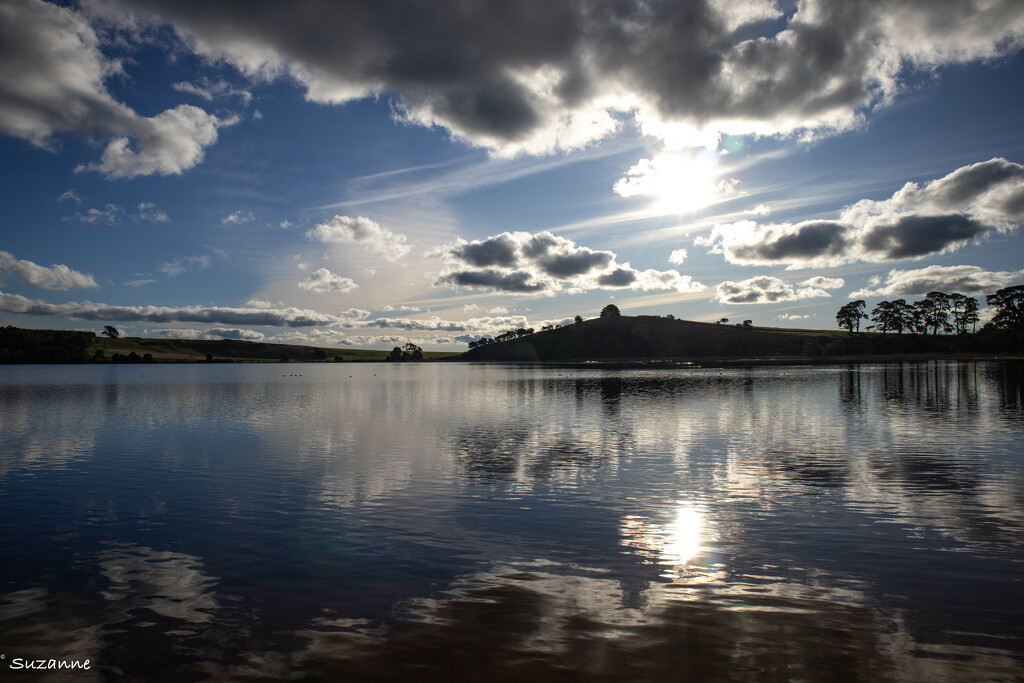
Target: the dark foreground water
pixel 453 522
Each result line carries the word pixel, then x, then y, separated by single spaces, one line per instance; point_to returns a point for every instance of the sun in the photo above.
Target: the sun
pixel 677 182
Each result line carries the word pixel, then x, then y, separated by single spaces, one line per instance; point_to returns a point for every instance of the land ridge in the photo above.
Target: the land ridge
pixel 621 339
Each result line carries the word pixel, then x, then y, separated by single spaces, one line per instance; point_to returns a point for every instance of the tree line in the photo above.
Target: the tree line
pixel 937 312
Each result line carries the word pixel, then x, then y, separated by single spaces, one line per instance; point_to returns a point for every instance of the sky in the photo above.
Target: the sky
pixel 370 173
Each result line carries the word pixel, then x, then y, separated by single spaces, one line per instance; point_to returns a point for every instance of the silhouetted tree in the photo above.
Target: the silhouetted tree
pixel 934 312
pixel 396 354
pixel 850 315
pixel 610 311
pixel 578 319
pixel 964 310
pixel 319 354
pixel 748 323
pixel 895 316
pixel 1009 303
pixel 412 352
pixel 110 332
pixel 970 315
pixel 722 321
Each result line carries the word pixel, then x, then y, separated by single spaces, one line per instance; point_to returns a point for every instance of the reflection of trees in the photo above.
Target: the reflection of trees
pixel 1009 377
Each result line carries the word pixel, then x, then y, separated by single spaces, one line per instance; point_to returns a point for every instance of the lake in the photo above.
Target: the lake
pixel 496 522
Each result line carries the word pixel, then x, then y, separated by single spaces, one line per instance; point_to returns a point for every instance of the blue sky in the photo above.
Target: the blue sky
pixel 370 173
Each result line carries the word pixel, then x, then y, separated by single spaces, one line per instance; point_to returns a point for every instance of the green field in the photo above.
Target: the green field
pixel 195 350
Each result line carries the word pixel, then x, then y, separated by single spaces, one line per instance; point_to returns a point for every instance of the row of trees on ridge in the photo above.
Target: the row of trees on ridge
pixel 938 311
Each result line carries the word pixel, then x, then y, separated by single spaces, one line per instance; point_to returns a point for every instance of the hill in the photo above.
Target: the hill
pixel 237 350
pixel 652 337
pixel 19 345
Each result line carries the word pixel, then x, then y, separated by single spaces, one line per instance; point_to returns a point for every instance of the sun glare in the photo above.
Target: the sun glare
pixel 676 182
pixel 671 544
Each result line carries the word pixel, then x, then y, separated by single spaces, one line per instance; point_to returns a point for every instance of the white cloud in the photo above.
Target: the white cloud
pixel 678 256
pixel 969 280
pixel 470 308
pixel 763 290
pixel 916 222
pixel 403 307
pixel 88 310
pixel 795 316
pixel 212 333
pixel 284 225
pixel 149 212
pixel 821 282
pixel 109 214
pixel 166 144
pixel 361 230
pixel 323 281
pixel 238 218
pixel 57 276
pixel 70 196
pixel 140 282
pixel 180 265
pixel 53 84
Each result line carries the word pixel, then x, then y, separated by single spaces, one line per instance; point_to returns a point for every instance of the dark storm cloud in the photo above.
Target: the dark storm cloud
pixel 494 251
pixel 617 278
pixel 541 263
pixel 809 240
pixel 942 216
pixel 580 262
pixel 517 282
pixel 536 76
pixel 915 236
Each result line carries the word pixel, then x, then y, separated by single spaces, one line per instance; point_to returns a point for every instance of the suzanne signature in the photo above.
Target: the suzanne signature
pixel 22 663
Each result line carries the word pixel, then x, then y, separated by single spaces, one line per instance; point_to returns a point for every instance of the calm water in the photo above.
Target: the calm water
pixel 441 521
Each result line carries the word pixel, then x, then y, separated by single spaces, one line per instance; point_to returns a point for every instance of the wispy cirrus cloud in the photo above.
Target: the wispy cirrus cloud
pixel 180 265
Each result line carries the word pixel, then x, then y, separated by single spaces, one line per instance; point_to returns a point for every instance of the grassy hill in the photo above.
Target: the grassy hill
pixel 652 337
pixel 237 350
pixel 19 345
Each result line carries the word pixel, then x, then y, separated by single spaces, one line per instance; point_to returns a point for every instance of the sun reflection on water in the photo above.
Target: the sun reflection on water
pixel 673 544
